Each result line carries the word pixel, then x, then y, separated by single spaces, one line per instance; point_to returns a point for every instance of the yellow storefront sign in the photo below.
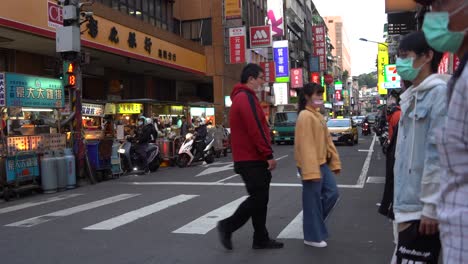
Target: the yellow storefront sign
pixel 232 9
pixel 42 17
pixel 129 108
pixel 382 58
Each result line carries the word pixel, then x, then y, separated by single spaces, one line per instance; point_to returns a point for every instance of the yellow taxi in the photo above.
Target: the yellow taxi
pixel 343 130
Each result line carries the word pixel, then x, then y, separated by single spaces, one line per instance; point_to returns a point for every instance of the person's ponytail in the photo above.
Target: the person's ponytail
pixel 301 102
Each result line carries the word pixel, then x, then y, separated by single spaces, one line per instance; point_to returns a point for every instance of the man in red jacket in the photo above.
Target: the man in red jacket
pixel 253 160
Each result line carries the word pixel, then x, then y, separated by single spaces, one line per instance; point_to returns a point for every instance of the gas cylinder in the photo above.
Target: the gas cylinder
pixel 61 170
pixel 71 170
pixel 48 173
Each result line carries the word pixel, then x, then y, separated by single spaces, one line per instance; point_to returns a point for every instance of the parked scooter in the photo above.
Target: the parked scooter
pixel 131 161
pixel 188 151
pixel 365 129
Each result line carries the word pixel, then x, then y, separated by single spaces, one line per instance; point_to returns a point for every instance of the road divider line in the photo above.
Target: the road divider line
pixel 31 204
pixel 129 217
pixel 207 222
pixel 365 168
pixel 282 157
pixel 69 211
pixel 294 230
pixel 241 184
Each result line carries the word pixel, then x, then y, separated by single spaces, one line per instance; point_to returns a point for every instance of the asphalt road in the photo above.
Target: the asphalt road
pixel 170 216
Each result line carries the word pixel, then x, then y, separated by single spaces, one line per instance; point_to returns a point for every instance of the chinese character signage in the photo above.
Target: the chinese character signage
pixel 260 36
pixel 320 46
pixel 268 71
pixel 337 96
pixel 33 91
pixel 296 78
pixel 55 15
pixel 232 9
pixel 237 45
pixel 24 166
pixel 391 77
pixel 382 57
pixel 281 58
pixel 338 86
pixel 281 93
pixel 92 110
pixel 275 17
pixel 314 64
pixel 2 89
pixel 129 108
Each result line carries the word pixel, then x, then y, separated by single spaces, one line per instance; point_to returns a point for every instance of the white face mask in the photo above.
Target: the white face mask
pixel 318 102
pixel 140 123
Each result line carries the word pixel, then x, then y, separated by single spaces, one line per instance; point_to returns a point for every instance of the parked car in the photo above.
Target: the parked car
pixel 343 130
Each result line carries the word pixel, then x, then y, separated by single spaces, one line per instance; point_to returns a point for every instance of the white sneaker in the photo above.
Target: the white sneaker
pixel 320 244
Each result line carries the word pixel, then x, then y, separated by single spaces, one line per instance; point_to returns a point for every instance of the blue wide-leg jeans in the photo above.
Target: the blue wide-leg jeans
pixel 318 199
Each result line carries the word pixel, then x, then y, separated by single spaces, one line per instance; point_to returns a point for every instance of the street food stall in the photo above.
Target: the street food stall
pixel 30 128
pixel 204 112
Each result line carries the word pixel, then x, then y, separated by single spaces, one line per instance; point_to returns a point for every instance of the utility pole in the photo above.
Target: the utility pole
pixel 68 44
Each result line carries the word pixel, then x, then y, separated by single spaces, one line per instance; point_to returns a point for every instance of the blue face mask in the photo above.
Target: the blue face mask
pixel 406 70
pixel 438 36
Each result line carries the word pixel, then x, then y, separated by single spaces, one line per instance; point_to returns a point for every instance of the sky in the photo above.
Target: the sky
pixel 361 19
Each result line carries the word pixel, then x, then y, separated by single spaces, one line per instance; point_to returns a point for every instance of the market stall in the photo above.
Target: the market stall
pixel 30 129
pixel 205 113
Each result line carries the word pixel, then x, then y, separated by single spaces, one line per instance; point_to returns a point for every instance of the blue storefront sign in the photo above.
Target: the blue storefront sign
pixel 33 91
pixel 281 58
pixel 22 166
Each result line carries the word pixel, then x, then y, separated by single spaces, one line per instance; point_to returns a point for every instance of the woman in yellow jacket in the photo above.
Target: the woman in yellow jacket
pixel 316 158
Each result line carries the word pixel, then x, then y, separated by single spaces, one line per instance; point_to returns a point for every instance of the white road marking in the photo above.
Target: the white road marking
pixel 204 224
pixel 241 184
pixel 31 204
pixel 294 230
pixel 365 150
pixel 235 175
pixel 139 213
pixel 375 179
pixel 212 170
pixel 365 168
pixel 69 211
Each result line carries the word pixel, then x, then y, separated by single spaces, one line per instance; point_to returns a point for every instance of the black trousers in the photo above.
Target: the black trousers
pixel 140 149
pixel 257 180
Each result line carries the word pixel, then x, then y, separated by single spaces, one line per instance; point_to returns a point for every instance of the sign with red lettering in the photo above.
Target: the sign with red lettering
pixel 260 36
pixel 296 78
pixel 55 15
pixel 338 95
pixel 237 45
pixel 268 71
pixel 320 46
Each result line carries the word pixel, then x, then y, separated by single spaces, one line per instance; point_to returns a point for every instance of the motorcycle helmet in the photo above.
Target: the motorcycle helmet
pixel 148 121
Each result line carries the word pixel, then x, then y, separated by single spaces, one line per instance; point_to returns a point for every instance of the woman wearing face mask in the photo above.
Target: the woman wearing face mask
pixel 316 158
pixel 417 167
pixel 446 30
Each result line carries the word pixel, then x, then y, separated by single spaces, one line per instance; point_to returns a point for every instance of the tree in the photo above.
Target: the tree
pixel 344 76
pixel 369 79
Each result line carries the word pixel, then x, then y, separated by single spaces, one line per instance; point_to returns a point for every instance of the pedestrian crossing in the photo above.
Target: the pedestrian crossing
pixel 199 226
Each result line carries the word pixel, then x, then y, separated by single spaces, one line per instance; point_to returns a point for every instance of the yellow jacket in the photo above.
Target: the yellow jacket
pixel 313 145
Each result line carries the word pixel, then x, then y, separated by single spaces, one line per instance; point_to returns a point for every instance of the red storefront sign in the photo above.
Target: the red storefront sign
pixel 338 95
pixel 296 78
pixel 268 71
pixel 328 79
pixel 445 64
pixel 315 77
pixel 55 15
pixel 320 46
pixel 260 36
pixel 237 45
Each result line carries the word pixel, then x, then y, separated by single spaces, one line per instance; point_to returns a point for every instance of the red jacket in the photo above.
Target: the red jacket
pixel 250 134
pixel 393 120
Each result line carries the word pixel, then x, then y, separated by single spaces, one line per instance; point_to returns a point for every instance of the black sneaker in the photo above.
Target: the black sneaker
pixel 224 237
pixel 269 244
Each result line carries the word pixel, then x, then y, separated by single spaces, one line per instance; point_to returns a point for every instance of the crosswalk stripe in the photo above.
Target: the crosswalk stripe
pixel 69 211
pixel 31 204
pixel 294 229
pixel 139 213
pixel 205 223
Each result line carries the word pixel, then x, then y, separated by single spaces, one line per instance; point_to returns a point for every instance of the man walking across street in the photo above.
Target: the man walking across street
pixel 253 160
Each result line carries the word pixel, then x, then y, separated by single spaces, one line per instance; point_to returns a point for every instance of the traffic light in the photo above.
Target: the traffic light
pixel 69 72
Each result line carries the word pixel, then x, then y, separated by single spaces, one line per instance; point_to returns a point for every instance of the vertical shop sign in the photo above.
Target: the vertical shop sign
pixel 315 77
pixel 2 89
pixel 391 78
pixel 232 9
pixel 320 49
pixel 237 45
pixel 281 57
pixel 275 17
pixel 382 58
pixel 296 76
pixel 260 36
pixel 281 93
pixel 268 71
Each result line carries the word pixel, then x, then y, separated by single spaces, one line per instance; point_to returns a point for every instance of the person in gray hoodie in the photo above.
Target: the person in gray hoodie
pixel 417 167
